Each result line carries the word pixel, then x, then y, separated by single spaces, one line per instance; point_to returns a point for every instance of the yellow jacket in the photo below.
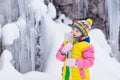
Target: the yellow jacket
pixel 84 53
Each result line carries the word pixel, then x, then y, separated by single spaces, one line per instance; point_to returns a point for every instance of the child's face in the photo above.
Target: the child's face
pixel 76 32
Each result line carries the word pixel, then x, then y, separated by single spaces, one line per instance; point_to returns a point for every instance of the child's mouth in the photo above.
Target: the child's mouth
pixel 73 35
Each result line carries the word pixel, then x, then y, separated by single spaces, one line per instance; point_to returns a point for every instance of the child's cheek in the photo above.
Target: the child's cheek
pixel 78 34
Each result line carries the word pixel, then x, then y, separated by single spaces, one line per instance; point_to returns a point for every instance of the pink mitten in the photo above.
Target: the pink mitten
pixel 67 48
pixel 71 62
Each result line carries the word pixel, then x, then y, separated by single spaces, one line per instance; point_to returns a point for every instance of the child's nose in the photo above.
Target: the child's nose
pixel 72 32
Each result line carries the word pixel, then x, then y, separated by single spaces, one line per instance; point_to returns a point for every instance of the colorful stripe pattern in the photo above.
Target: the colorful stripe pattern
pixel 67 74
pixel 83 26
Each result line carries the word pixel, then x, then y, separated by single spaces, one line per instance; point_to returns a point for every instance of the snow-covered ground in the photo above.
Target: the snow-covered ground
pixel 105 67
pixel 8 72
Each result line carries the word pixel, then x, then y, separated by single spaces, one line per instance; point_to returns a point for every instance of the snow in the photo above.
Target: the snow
pixel 38 8
pixel 67 21
pixel 61 17
pixel 54 35
pixel 10 32
pixel 105 67
pixel 21 24
pixel 8 72
pixel 51 11
pixel 34 75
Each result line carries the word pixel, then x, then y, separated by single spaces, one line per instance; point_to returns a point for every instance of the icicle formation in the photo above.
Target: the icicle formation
pixel 114 23
pixel 82 8
pixel 26 16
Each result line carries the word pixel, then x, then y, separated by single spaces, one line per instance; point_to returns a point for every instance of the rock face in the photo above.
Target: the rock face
pixel 72 8
pixel 81 9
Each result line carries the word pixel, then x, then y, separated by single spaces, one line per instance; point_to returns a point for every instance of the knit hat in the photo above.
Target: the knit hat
pixel 83 26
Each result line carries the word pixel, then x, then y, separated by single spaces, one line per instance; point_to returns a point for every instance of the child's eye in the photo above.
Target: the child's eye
pixel 76 30
pixel 73 28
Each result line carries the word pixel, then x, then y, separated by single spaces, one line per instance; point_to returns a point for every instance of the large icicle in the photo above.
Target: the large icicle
pixel 114 23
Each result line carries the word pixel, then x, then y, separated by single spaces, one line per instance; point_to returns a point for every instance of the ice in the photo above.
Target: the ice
pixel 0 31
pixel 114 23
pixel 38 8
pixel 10 32
pixel 51 11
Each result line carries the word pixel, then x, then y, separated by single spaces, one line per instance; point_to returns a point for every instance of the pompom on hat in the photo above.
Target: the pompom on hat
pixel 83 26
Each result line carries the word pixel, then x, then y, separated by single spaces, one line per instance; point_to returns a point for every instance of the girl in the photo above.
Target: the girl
pixel 82 53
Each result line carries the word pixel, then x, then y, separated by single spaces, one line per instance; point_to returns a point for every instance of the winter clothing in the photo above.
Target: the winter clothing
pixel 83 53
pixel 60 55
pixel 79 56
pixel 86 38
pixel 67 48
pixel 83 26
pixel 71 62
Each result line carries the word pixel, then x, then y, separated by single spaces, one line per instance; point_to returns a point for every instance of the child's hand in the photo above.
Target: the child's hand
pixel 67 48
pixel 71 62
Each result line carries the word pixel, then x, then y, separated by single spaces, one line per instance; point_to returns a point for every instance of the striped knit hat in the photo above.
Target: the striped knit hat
pixel 83 26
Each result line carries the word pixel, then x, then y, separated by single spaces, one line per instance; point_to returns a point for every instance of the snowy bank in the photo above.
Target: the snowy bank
pixel 8 72
pixel 10 32
pixel 105 67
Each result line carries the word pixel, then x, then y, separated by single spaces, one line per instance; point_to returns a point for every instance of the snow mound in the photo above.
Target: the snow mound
pixel 105 67
pixel 10 32
pixel 34 75
pixel 8 72
pixel 21 24
pixel 51 11
pixel 38 8
pixel 98 39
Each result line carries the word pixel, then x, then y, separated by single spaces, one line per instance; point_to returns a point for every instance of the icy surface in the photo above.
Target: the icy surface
pixel 51 11
pixel 114 23
pixel 0 31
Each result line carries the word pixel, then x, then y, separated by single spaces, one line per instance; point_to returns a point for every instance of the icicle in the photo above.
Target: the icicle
pixel 85 8
pixel 114 23
pixel 0 31
pixel 8 10
pixel 22 7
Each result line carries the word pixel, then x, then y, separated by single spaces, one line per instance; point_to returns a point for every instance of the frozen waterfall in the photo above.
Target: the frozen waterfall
pixel 113 7
pixel 26 50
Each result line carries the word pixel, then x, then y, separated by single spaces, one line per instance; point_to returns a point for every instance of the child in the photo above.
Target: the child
pixel 82 53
